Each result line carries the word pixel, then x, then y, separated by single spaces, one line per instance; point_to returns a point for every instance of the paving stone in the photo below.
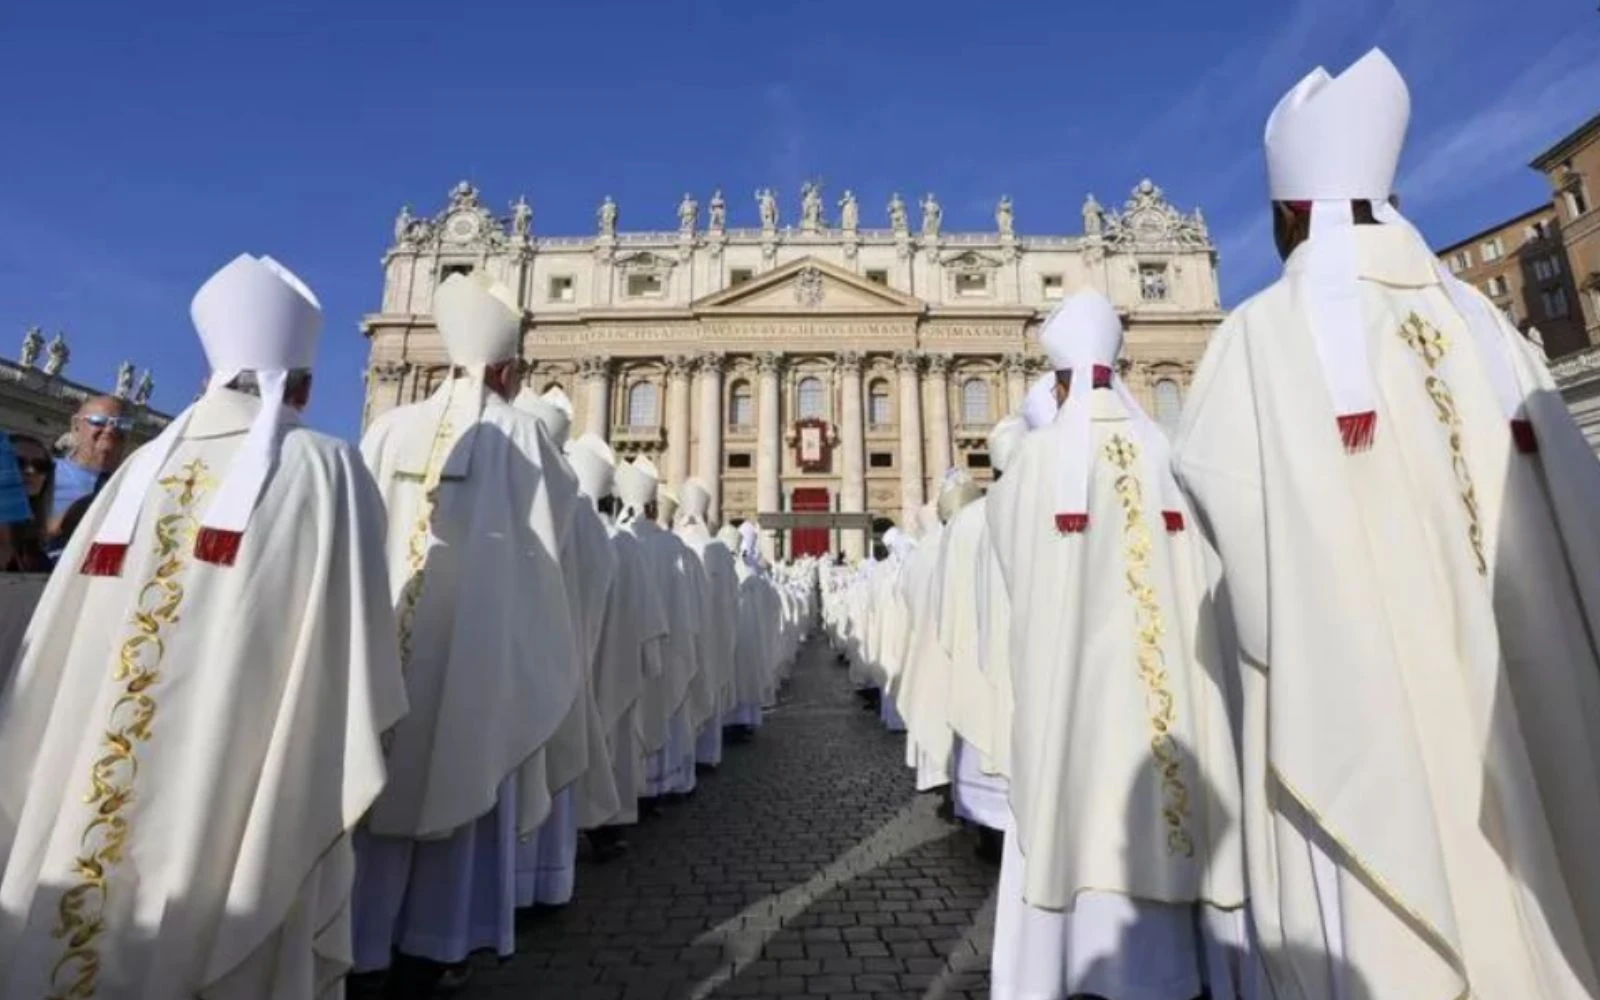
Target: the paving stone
pixel 805 866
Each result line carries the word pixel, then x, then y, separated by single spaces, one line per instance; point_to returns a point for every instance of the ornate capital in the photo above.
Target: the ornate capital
pixel 679 365
pixel 939 364
pixel 1014 364
pixel 594 368
pixel 849 362
pixel 907 361
pixel 709 362
pixel 389 372
pixel 769 362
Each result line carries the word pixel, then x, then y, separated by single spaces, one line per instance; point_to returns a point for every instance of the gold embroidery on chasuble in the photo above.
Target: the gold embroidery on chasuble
pixel 417 542
pixel 1430 346
pixel 81 911
pixel 1149 629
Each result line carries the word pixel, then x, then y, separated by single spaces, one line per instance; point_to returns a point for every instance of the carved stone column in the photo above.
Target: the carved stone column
pixel 852 481
pixel 678 368
pixel 909 364
pixel 708 464
pixel 1016 368
pixel 595 373
pixel 385 381
pixel 938 417
pixel 769 442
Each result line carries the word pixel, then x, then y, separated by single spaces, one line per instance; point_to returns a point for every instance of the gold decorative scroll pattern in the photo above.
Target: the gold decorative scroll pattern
pixel 1430 345
pixel 417 543
pixel 1164 751
pixel 81 911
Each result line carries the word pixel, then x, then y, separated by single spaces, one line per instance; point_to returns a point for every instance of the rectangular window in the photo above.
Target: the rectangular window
pixel 977 460
pixel 1153 282
pixel 878 276
pixel 561 288
pixel 739 276
pixel 1489 250
pixel 449 269
pixel 1577 200
pixel 969 283
pixel 1555 302
pixel 644 286
pixel 1555 264
pixel 1497 285
pixel 738 460
pixel 1460 260
pixel 881 460
pixel 1051 287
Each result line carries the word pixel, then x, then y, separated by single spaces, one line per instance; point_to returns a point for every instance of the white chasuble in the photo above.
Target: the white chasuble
pixel 722 610
pixel 970 697
pixel 1123 772
pixel 479 503
pixel 629 660
pixel 1416 620
pixel 185 747
pixel 665 695
pixel 753 641
pixel 922 688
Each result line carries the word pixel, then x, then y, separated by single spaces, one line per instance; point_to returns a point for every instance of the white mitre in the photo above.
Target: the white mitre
pixel 729 536
pixel 636 484
pixel 956 492
pixel 558 399
pixel 1005 439
pixel 1331 140
pixel 595 465
pixel 750 543
pixel 556 422
pixel 696 504
pixel 1039 406
pixel 1083 339
pixel 254 315
pixel 666 506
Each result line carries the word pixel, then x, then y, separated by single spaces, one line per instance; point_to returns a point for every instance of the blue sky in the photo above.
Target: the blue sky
pixel 148 143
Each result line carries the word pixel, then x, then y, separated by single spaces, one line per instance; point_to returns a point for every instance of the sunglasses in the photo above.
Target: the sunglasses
pixel 100 421
pixel 38 466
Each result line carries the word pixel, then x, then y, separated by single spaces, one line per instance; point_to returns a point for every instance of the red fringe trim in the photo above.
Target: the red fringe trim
pixel 1173 519
pixel 1357 430
pixel 104 559
pixel 1102 377
pixel 216 546
pixel 1072 524
pixel 1523 436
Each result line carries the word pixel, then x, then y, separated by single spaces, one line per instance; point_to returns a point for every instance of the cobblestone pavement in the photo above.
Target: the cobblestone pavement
pixel 805 866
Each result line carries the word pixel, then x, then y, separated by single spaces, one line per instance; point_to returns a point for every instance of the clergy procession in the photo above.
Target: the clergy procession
pixel 1300 704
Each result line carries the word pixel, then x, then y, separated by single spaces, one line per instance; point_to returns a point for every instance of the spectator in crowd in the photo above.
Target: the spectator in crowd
pixel 38 481
pixel 14 513
pixel 99 433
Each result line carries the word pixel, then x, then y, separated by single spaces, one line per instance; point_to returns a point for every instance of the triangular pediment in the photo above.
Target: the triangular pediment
pixel 809 285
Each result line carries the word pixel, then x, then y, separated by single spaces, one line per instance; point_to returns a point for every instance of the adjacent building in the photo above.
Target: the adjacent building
pixel 823 365
pixel 37 398
pixel 1522 265
pixel 1572 166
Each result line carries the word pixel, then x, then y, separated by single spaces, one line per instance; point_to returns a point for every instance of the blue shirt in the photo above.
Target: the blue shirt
pixel 73 483
pixel 13 495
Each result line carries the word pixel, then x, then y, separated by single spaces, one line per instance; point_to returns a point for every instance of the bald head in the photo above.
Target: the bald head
pixel 99 433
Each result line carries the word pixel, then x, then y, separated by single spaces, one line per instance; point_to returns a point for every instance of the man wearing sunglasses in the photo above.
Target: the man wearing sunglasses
pixel 99 434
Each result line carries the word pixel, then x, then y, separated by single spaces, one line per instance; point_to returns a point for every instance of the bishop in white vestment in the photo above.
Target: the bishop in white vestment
pixel 194 725
pixel 1126 847
pixel 721 635
pixel 1405 512
pixel 479 504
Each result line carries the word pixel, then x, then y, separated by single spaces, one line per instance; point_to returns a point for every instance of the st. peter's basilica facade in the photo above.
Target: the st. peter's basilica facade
pixel 813 366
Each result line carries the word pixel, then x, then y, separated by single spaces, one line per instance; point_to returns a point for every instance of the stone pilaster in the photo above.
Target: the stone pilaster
pixel 595 373
pixel 1015 367
pixel 852 480
pixel 769 442
pixel 939 448
pixel 708 463
pixel 909 365
pixel 678 371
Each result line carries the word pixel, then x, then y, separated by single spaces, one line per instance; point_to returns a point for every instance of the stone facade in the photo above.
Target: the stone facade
pixel 1572 167
pixel 820 365
pixel 1522 265
pixel 37 398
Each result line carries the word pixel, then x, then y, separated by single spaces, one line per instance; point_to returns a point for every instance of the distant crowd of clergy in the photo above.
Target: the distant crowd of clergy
pixel 1302 704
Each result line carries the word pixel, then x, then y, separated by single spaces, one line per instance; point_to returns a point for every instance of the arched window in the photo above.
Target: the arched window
pixel 1169 404
pixel 642 405
pixel 975 411
pixel 741 405
pixel 878 414
pixel 810 399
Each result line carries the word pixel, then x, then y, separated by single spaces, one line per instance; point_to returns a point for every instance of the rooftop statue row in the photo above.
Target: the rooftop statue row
pixel 1145 219
pixel 57 354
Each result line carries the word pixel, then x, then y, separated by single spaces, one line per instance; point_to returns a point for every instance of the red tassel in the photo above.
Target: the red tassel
pixel 1102 377
pixel 104 559
pixel 1523 436
pixel 216 546
pixel 1357 430
pixel 1174 520
pixel 1072 524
